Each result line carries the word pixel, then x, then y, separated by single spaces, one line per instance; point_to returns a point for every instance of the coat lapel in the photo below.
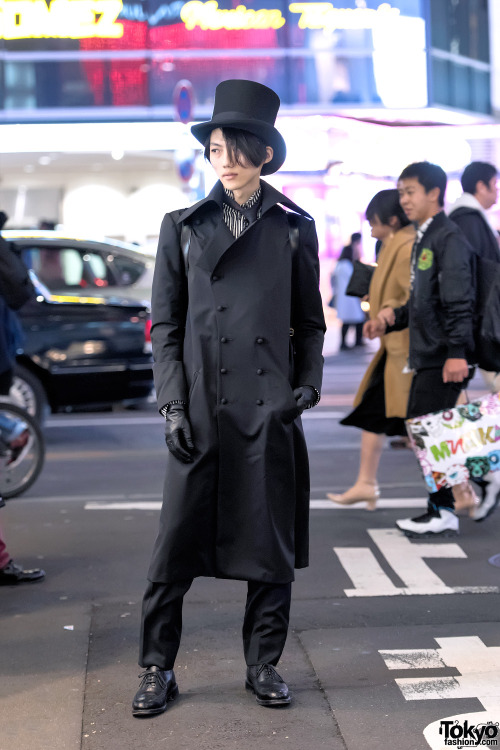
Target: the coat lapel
pixel 271 197
pixel 219 243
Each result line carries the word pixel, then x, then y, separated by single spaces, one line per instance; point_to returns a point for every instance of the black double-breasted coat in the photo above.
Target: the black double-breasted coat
pixel 221 334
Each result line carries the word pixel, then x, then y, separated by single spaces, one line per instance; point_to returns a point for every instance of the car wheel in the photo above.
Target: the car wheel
pixel 28 392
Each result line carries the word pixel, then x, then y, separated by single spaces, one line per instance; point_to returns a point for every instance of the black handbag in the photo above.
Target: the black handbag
pixel 359 283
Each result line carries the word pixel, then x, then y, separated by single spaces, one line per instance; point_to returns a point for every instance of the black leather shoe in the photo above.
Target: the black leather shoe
pixel 158 686
pixel 268 687
pixel 13 574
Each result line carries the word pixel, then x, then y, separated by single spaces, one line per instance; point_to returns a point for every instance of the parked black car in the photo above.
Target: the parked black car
pixel 82 351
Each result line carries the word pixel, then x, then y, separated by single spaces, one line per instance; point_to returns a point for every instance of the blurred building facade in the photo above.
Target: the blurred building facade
pixel 92 93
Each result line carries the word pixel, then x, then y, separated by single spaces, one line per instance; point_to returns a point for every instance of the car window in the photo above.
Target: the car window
pixel 127 270
pixel 95 271
pixel 68 268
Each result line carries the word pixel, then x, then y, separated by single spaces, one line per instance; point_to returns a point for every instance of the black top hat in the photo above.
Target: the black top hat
pixel 251 106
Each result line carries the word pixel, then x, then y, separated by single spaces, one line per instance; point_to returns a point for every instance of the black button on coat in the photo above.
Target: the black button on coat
pixel 240 509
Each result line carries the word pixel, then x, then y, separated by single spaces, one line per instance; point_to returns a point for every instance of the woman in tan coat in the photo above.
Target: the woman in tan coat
pixel 381 401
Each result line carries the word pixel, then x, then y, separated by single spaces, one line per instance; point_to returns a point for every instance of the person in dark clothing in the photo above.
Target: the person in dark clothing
pixel 237 334
pixel 348 308
pixel 479 183
pixel 439 315
pixel 10 573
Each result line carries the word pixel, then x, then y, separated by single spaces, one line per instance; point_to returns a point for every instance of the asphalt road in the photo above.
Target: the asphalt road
pixel 389 637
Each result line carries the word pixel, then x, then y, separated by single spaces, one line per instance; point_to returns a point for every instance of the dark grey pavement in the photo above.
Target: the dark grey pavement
pixel 387 635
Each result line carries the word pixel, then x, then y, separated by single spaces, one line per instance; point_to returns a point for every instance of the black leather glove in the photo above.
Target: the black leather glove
pixel 178 433
pixel 305 396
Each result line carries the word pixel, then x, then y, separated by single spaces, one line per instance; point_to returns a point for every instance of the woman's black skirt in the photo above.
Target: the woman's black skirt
pixel 369 415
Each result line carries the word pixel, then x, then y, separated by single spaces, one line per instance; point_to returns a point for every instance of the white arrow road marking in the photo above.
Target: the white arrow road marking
pixel 365 572
pixel 479 667
pixel 406 559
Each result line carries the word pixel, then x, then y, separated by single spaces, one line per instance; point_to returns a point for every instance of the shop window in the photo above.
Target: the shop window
pixel 19 85
pixel 461 27
pixel 460 86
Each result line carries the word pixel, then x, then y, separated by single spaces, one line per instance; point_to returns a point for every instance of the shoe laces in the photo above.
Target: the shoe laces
pixel 269 672
pixel 151 678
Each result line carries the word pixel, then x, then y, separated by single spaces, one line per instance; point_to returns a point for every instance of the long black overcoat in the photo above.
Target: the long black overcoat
pixel 222 342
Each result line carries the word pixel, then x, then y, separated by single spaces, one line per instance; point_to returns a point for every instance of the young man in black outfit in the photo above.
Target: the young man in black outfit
pixel 237 333
pixel 439 315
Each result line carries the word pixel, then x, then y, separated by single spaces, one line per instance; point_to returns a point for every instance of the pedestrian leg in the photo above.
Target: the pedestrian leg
pixel 265 626
pixel 343 334
pixel 430 394
pixel 4 554
pixel 359 334
pixel 365 489
pixel 265 629
pixel 161 625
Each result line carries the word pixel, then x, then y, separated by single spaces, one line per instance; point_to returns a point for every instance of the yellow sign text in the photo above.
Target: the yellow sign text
pixel 325 16
pixel 62 19
pixel 208 16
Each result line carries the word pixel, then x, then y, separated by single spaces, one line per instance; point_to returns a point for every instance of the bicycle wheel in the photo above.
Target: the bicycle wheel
pixel 21 457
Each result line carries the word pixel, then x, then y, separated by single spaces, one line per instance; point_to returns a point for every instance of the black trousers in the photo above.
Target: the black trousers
pixel 359 332
pixel 428 393
pixel 265 623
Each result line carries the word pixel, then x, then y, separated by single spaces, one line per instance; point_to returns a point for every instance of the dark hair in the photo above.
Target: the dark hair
pixel 355 237
pixel 429 175
pixel 347 253
pixel 241 143
pixel 476 171
pixel 385 204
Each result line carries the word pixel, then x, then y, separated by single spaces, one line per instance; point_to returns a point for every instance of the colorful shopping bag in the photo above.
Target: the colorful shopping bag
pixel 458 444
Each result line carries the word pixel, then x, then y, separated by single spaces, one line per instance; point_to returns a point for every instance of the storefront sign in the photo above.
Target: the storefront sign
pixel 208 16
pixel 324 16
pixel 65 19
pixel 85 19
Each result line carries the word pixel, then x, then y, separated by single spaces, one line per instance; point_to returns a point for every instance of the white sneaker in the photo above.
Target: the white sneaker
pixel 489 501
pixel 433 523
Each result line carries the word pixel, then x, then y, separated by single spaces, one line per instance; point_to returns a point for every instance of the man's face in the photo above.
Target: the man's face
pixel 415 202
pixel 236 177
pixel 487 193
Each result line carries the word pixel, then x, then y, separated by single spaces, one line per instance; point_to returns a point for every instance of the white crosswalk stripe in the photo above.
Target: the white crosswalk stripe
pixel 479 677
pixel 153 502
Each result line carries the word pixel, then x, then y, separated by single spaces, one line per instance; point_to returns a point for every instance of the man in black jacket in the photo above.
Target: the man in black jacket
pixel 439 315
pixel 479 183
